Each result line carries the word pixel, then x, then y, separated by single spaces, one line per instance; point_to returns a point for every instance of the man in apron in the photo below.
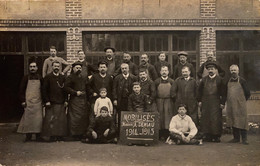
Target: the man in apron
pixel 55 99
pixel 211 97
pixel 164 101
pixel 78 112
pixel 30 95
pixel 237 95
pixel 204 72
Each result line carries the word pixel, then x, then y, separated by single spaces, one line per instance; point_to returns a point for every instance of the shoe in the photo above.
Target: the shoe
pixel 40 139
pixel 86 140
pixel 217 140
pixel 245 143
pixel 178 142
pixel 207 139
pixel 234 141
pixel 146 145
pixel 27 140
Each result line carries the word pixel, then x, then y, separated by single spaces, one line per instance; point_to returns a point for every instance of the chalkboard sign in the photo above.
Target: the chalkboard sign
pixel 139 128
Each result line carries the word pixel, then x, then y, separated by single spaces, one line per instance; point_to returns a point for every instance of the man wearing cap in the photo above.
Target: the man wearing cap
pixel 78 116
pixel 112 63
pixel 204 72
pixel 133 68
pixel 55 99
pixel 211 97
pixel 237 95
pixel 47 65
pixel 87 68
pixel 182 62
pixel 144 64
pixel 31 98
pixel 184 91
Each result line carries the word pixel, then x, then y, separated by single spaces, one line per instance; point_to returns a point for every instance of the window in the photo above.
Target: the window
pixel 10 42
pixel 241 48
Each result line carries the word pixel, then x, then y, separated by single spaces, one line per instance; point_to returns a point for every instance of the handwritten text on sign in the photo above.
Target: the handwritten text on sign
pixel 139 126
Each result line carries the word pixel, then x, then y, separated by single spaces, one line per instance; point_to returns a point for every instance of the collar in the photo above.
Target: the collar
pixel 56 74
pixel 213 76
pixel 81 60
pixel 187 79
pixel 125 76
pixel 183 63
pixel 103 76
pixel 166 78
pixel 144 80
pixel 182 117
pixel 110 59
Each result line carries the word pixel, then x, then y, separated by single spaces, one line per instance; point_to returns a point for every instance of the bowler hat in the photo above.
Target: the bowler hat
pixel 77 63
pixel 105 49
pixel 210 64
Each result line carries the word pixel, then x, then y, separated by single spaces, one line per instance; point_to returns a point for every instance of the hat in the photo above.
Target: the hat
pixel 114 50
pixel 77 63
pixel 183 53
pixel 104 108
pixel 210 64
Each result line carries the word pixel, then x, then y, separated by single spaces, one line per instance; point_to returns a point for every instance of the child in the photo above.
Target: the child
pixel 103 100
pixel 182 128
pixel 162 62
pixel 101 129
pixel 137 100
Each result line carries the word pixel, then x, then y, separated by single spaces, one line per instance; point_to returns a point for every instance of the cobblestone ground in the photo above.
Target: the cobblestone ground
pixel 14 152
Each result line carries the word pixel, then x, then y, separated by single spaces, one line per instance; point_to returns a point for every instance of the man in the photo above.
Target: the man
pixel 87 69
pixel 100 80
pixel 30 96
pixel 112 63
pixel 182 62
pixel 204 72
pixel 237 95
pixel 164 101
pixel 133 68
pixel 55 120
pixel 148 89
pixel 47 65
pixel 184 91
pixel 122 88
pixel 144 64
pixel 211 97
pixel 78 110
pixel 162 62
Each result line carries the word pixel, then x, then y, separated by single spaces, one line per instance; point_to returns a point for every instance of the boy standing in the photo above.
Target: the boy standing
pixel 101 129
pixel 103 100
pixel 137 100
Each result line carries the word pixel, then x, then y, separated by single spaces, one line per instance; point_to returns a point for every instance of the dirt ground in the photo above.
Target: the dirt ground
pixel 13 152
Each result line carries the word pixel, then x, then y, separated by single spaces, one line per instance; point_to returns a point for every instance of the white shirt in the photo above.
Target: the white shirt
pixel 164 78
pixel 212 76
pixel 125 76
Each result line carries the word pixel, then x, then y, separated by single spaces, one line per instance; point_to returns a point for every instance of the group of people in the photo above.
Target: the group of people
pixel 87 103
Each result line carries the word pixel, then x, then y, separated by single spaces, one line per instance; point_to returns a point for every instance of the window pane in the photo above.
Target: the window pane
pixel 251 40
pixel 127 42
pixel 227 41
pixel 156 42
pixel 184 41
pixel 96 42
pixel 10 42
pixel 252 71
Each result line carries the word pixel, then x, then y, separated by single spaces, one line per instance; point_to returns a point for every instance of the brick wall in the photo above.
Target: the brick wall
pixel 73 9
pixel 74 43
pixel 207 8
pixel 207 42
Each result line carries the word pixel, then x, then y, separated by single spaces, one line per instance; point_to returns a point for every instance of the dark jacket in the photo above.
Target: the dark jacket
pixel 177 70
pixel 101 124
pixel 137 102
pixel 133 69
pixel 151 71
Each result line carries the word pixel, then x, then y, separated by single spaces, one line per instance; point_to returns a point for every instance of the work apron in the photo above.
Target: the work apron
pixel 164 104
pixel 211 115
pixel 31 121
pixel 236 106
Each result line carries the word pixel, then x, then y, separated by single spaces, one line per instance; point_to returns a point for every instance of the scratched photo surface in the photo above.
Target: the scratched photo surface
pixel 229 29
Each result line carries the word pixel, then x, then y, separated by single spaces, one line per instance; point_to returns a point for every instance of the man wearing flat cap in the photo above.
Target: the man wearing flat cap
pixel 78 117
pixel 182 62
pixel 211 97
pixel 112 63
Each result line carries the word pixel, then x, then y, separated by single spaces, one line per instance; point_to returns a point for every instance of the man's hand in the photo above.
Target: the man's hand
pixel 200 104
pixel 186 139
pixel 94 94
pixel 65 104
pixel 48 104
pixel 106 132
pixel 24 104
pixel 94 134
pixel 222 106
pixel 115 102
pixel 79 93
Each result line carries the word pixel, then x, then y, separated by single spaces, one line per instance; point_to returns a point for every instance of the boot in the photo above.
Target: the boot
pixel 236 135
pixel 28 137
pixel 244 136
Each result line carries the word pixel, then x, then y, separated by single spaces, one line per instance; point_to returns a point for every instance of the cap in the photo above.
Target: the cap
pixel 210 64
pixel 77 63
pixel 183 53
pixel 114 50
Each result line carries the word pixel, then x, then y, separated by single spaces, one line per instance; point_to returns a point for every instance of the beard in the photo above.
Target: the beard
pixel 56 70
pixel 78 72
